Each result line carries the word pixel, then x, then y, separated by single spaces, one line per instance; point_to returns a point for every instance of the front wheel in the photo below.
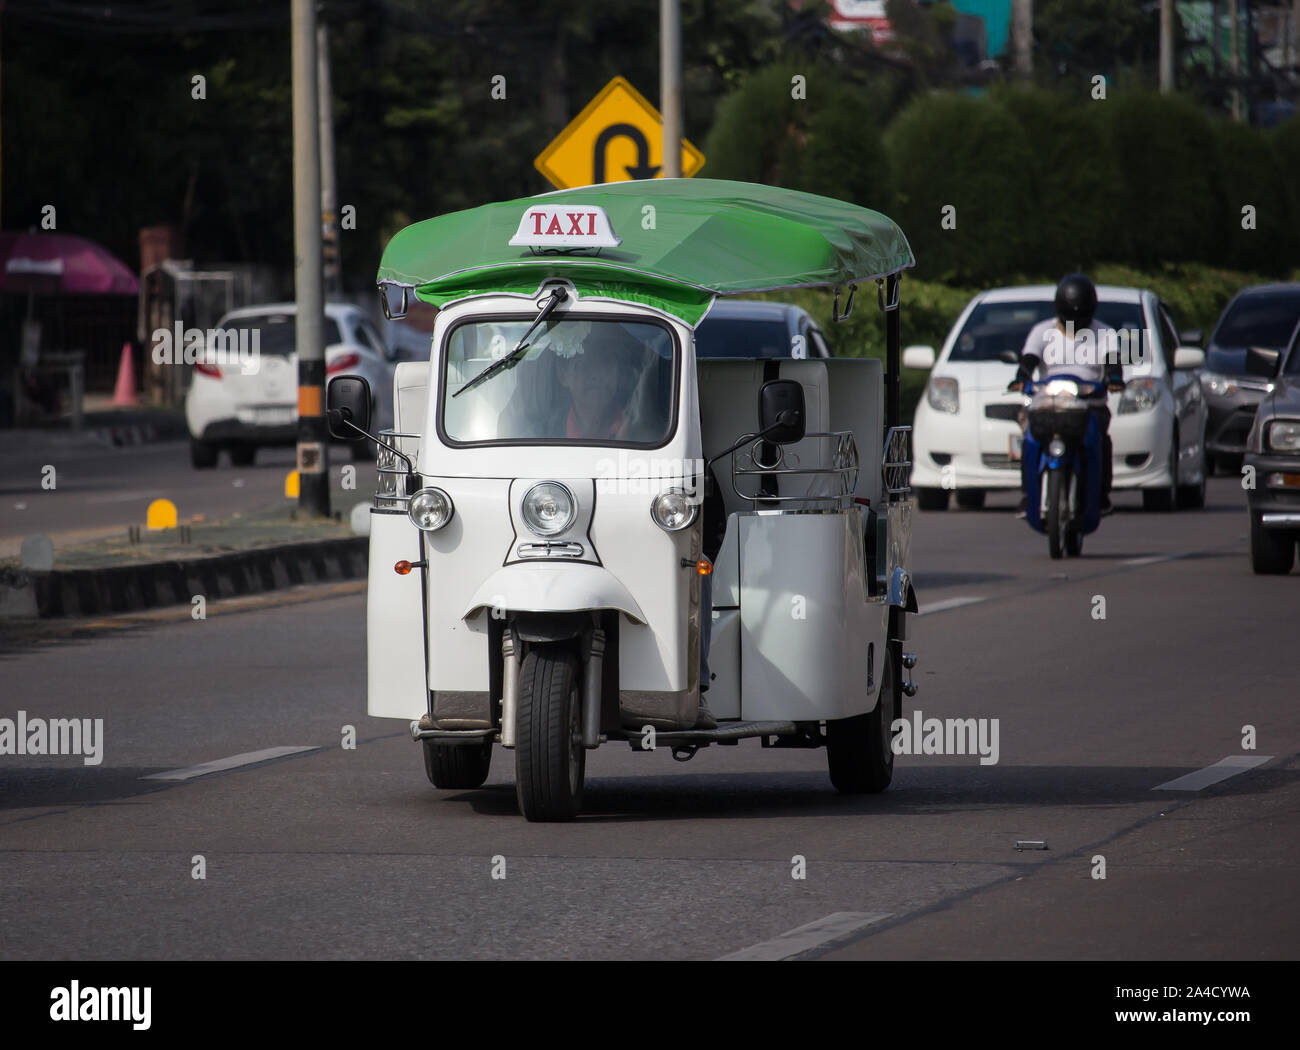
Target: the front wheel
pixel 1271 550
pixel 203 454
pixel 550 762
pixel 859 751
pixel 1057 512
pixel 452 767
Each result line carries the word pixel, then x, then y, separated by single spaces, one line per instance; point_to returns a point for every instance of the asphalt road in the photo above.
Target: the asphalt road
pixel 350 853
pixel 99 489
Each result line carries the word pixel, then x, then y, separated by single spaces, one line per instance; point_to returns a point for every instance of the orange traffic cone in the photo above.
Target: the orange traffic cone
pixel 124 390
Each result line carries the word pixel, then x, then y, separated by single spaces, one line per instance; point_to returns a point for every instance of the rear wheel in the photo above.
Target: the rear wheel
pixel 550 761
pixel 203 454
pixel 970 499
pixel 932 499
pixel 859 751
pixel 1271 550
pixel 243 455
pixel 1057 512
pixel 457 766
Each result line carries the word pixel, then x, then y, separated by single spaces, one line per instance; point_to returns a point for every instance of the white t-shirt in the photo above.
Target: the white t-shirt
pixel 1081 352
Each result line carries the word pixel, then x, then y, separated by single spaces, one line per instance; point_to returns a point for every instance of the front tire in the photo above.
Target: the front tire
pixel 452 767
pixel 1057 512
pixel 550 761
pixel 859 751
pixel 203 454
pixel 932 499
pixel 1271 550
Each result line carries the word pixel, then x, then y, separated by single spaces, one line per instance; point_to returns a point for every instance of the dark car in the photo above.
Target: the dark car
pixel 1262 316
pixel 748 328
pixel 1273 451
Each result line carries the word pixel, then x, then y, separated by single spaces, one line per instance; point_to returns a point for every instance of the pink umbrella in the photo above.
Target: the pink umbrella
pixel 57 263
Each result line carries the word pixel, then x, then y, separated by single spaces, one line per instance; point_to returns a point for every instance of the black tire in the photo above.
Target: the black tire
pixel 1057 512
pixel 1192 497
pixel 203 454
pixel 932 499
pixel 859 752
pixel 457 766
pixel 970 499
pixel 243 455
pixel 1073 542
pixel 1271 550
pixel 550 761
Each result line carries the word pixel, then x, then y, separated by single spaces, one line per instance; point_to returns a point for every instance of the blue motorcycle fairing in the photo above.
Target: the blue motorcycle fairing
pixel 1036 462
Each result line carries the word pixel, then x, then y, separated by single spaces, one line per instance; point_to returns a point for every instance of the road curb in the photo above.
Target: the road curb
pixel 127 588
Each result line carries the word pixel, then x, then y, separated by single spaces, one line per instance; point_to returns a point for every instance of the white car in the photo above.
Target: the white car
pixel 966 435
pixel 245 401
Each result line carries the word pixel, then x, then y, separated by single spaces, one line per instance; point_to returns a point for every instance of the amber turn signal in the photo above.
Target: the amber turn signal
pixel 704 567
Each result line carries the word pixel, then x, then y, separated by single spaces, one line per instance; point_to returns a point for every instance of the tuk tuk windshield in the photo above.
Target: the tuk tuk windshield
pixel 580 381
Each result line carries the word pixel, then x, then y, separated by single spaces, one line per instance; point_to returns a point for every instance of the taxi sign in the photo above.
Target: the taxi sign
pixel 616 138
pixel 565 226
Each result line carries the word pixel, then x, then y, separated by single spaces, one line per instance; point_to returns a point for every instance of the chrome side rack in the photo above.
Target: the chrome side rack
pixel 896 463
pixel 390 488
pixel 834 447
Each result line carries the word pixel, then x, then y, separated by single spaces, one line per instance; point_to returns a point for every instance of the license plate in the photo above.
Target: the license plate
pixel 271 417
pixel 1015 446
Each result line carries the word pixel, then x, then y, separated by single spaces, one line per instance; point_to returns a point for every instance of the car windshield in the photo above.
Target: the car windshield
pixel 276 332
pixel 1259 320
pixel 993 329
pixel 580 381
pixel 741 337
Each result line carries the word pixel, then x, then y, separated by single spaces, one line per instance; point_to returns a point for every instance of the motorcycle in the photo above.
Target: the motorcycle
pixel 1062 462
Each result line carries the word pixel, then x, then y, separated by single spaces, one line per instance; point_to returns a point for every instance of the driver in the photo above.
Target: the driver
pixel 1050 349
pixel 596 384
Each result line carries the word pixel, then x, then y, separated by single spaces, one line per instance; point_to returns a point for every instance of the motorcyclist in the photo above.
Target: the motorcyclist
pixel 1058 346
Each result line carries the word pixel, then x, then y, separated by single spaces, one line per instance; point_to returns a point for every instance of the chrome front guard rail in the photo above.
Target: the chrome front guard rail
pixel 842 472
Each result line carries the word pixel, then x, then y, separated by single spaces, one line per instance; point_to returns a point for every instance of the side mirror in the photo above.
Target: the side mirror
pixel 1263 362
pixel 1188 358
pixel 781 413
pixel 347 401
pixel 1191 337
pixel 918 357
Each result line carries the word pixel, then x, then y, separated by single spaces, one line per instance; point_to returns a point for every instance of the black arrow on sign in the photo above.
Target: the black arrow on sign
pixel 643 170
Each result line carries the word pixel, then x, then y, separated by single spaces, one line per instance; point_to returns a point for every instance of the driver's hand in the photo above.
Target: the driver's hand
pixel 1115 386
pixel 1015 385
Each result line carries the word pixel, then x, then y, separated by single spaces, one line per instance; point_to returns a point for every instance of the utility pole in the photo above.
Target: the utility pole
pixel 329 222
pixel 1022 37
pixel 1166 47
pixel 670 85
pixel 1234 63
pixel 313 438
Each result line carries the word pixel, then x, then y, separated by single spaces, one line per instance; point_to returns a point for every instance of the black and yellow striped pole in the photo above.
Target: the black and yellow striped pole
pixel 313 437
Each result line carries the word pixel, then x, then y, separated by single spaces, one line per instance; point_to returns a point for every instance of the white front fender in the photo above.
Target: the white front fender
pixel 554 587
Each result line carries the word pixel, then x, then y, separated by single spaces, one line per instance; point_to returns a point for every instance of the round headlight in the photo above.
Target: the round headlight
pixel 673 510
pixel 548 508
pixel 430 509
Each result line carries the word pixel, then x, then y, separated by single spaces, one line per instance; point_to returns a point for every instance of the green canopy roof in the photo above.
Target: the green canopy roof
pixel 704 237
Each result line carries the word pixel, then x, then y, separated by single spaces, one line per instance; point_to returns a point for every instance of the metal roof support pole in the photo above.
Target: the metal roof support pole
pixel 890 304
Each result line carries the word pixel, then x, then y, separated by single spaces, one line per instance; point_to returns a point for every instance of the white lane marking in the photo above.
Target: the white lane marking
pixel 119 497
pixel 217 765
pixel 949 603
pixel 804 938
pixel 1150 559
pixel 1202 778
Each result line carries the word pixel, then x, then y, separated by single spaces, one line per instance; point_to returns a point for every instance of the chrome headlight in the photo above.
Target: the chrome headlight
pixel 430 509
pixel 673 510
pixel 1139 395
pixel 1284 435
pixel 941 392
pixel 548 508
pixel 1217 384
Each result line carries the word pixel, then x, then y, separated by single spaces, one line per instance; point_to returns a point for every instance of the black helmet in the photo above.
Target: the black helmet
pixel 1076 299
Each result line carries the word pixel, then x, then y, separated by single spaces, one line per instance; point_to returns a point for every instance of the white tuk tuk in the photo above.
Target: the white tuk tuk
pixel 576 521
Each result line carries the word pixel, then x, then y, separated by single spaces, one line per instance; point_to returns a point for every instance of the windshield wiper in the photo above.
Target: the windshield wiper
pixel 511 359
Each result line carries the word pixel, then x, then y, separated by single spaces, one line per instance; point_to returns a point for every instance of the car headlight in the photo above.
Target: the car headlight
pixel 1284 435
pixel 548 508
pixel 673 510
pixel 1139 395
pixel 430 509
pixel 1218 384
pixel 941 392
